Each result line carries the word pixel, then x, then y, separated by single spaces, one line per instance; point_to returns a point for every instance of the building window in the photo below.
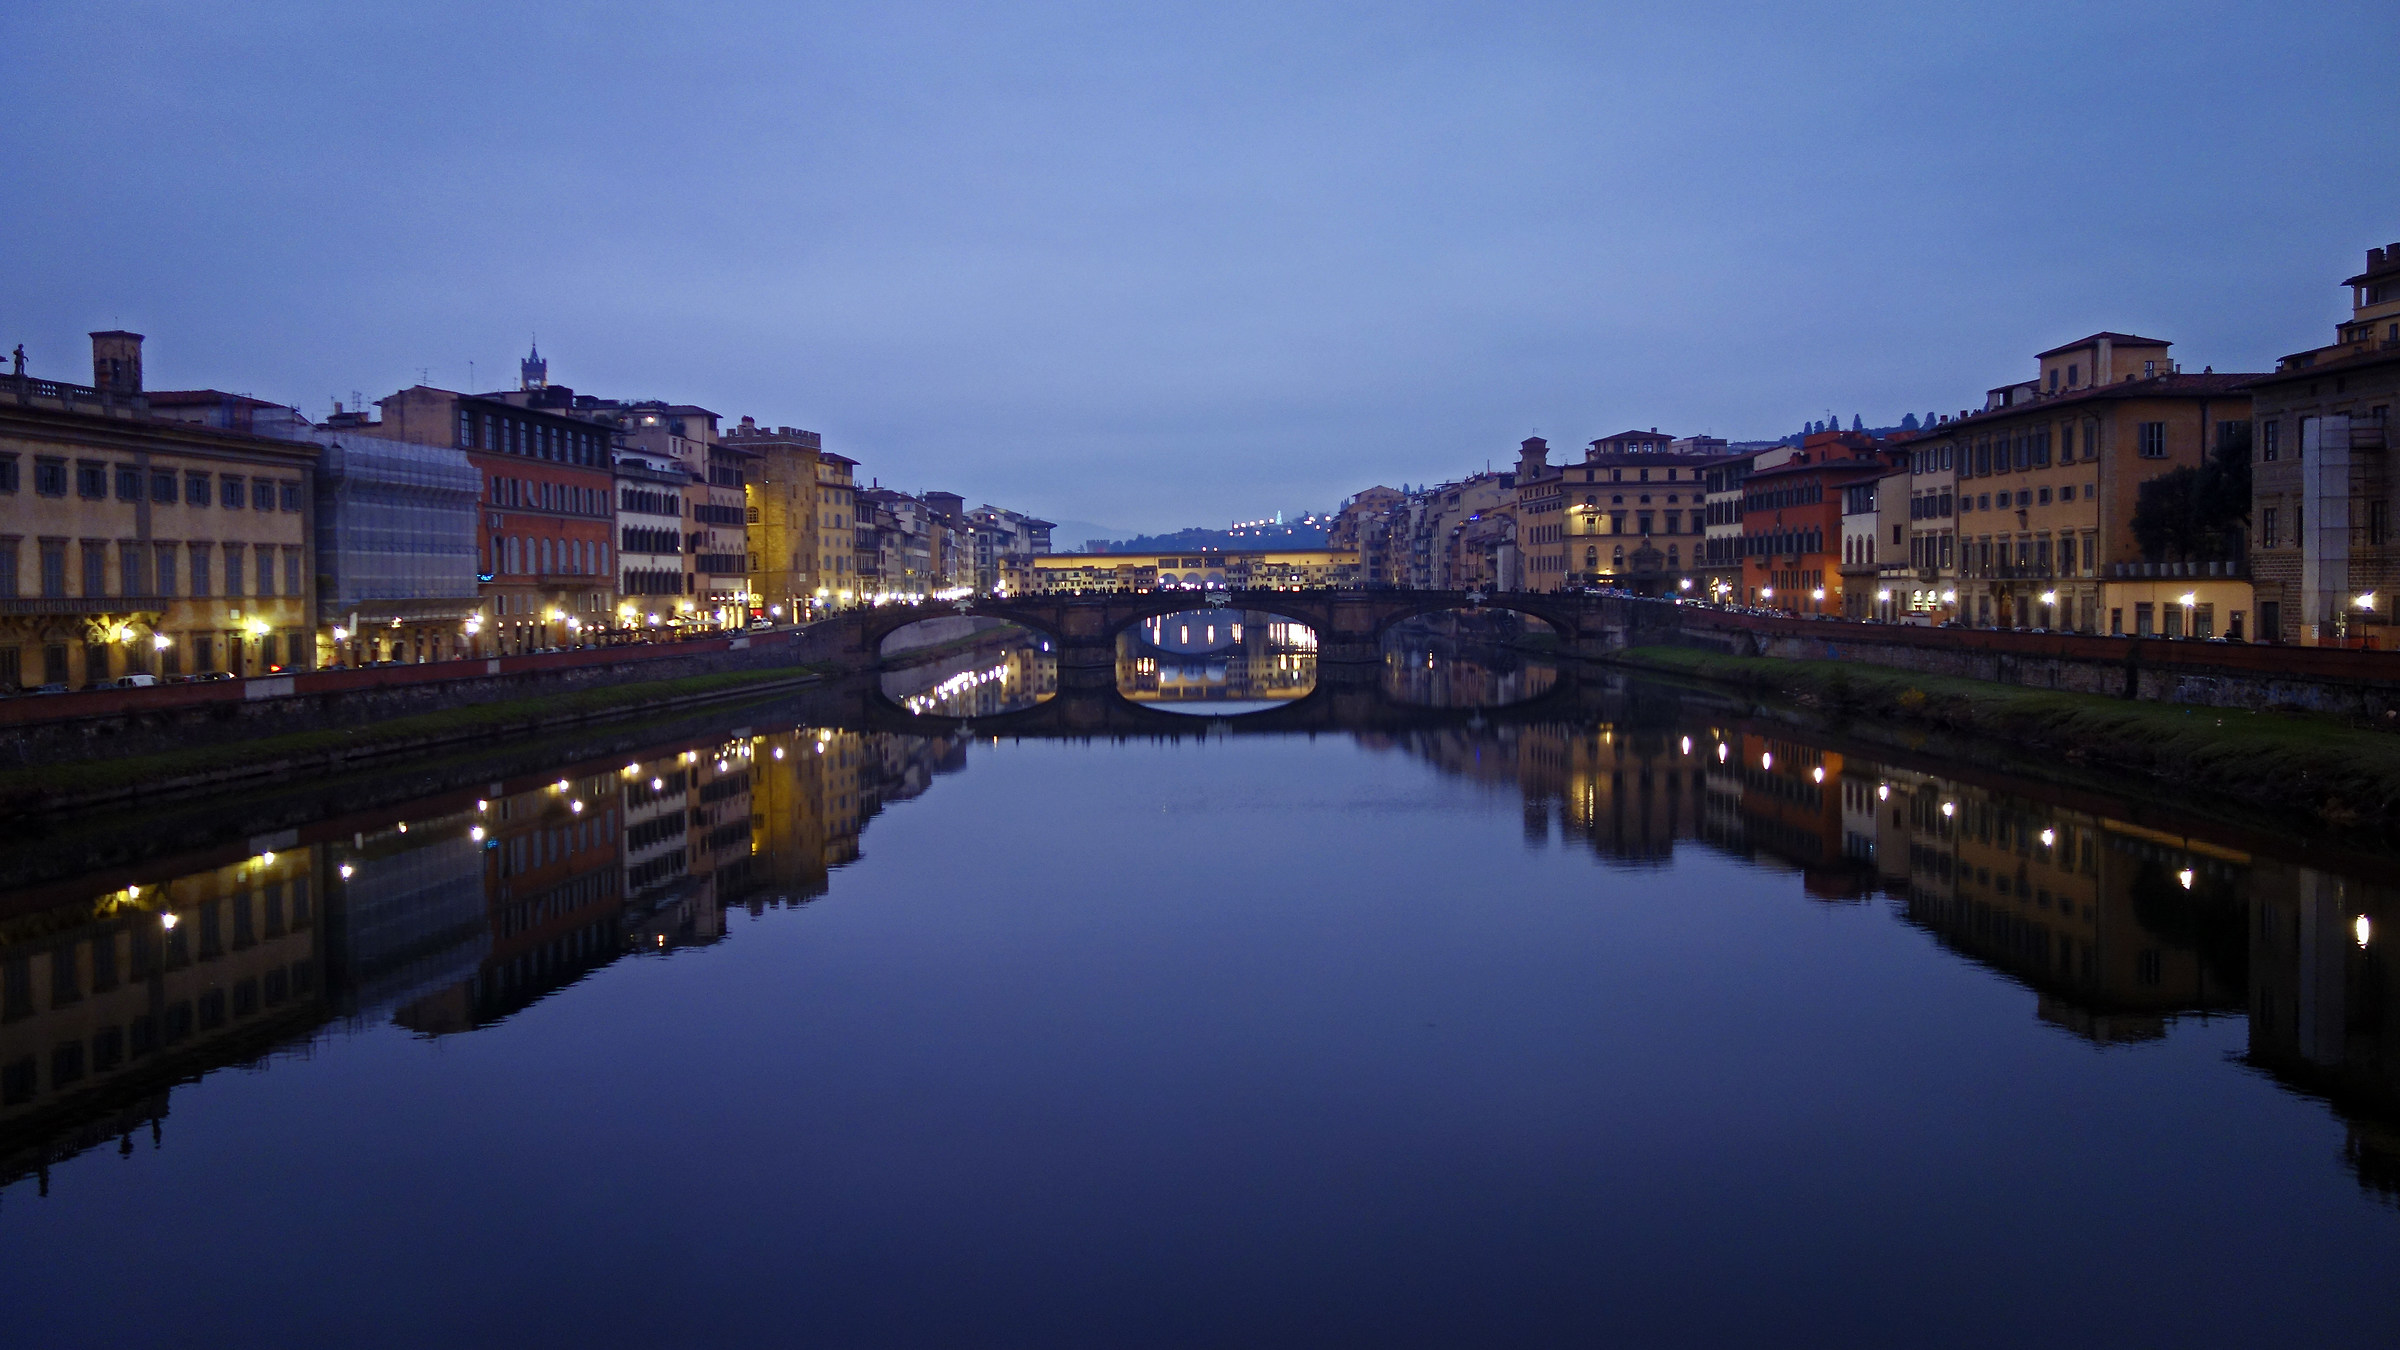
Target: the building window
pixel 162 488
pixel 2379 523
pixel 8 473
pixel 291 571
pixel 287 496
pixel 50 476
pixel 266 571
pixel 2268 535
pixel 2154 440
pixel 233 570
pixel 95 569
pixel 91 479
pixel 195 489
pixel 165 557
pixel 129 483
pixel 466 428
pixel 8 577
pixel 262 495
pixel 200 587
pixel 133 569
pixel 229 492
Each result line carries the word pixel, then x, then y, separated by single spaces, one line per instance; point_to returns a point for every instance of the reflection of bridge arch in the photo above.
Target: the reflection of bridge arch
pixel 1357 704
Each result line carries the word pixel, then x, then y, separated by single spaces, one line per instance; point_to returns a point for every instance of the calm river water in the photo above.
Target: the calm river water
pixel 1628 1016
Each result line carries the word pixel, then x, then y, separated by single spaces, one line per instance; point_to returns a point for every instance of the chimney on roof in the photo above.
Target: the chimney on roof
pixel 2374 258
pixel 117 362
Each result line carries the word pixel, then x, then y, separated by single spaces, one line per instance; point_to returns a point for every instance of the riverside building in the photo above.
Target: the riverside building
pixel 136 544
pixel 545 519
pixel 2322 490
pixel 2049 472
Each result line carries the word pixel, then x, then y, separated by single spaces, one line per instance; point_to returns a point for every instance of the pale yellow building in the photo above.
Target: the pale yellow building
pixel 131 543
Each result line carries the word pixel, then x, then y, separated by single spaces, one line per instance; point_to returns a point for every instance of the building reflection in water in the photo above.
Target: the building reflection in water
pixel 1467 659
pixel 2115 929
pixel 468 910
pixel 479 903
pixel 1217 661
pixel 1004 676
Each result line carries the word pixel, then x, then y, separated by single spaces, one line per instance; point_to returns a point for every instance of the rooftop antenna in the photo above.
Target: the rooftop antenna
pixel 470 377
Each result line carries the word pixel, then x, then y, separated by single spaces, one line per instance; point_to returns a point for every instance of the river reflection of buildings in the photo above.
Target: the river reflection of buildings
pixel 1216 656
pixel 979 683
pixel 441 923
pixel 1468 677
pixel 2116 928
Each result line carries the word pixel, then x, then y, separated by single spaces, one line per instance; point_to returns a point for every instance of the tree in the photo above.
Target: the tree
pixel 2191 514
pixel 1909 423
pixel 1857 423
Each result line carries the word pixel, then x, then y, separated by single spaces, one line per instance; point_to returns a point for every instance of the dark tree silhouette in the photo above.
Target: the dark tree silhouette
pixel 2191 514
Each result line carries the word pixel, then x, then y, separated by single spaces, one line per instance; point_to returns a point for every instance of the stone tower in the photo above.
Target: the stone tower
pixel 117 362
pixel 533 372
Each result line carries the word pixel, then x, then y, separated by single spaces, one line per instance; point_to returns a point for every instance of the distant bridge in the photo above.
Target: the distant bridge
pixel 1349 624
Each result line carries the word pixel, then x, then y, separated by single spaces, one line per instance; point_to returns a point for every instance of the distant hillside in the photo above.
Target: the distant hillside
pixel 1249 536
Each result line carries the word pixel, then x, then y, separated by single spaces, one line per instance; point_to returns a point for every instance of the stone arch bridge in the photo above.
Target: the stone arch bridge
pixel 1349 624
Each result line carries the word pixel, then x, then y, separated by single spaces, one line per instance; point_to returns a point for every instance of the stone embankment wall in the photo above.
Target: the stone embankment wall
pixel 2364 685
pixel 61 727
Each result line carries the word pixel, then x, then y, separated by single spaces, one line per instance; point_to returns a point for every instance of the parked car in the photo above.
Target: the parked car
pixel 133 681
pixel 54 687
pixel 757 625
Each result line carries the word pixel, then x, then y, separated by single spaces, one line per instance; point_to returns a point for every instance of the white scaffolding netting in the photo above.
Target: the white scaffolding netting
pixel 395 521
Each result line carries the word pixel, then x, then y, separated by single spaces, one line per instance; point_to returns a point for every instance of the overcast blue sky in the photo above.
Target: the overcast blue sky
pixel 1154 265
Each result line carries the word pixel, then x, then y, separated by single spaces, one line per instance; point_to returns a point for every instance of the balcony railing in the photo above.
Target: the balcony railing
pixel 25 390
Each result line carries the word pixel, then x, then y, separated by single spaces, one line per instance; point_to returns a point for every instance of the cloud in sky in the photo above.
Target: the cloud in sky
pixel 1163 265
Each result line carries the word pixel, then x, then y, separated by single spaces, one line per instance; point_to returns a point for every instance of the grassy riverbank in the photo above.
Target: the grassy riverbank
pixel 2338 771
pixel 334 748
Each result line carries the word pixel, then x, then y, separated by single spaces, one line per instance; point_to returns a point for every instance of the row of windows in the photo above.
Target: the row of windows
pixel 1799 494
pixel 654 581
pixel 532 439
pixel 2270 431
pixel 1788 542
pixel 148 569
pixel 2370 526
pixel 110 1047
pixel 540 555
pixel 152 950
pixel 641 539
pixel 2033 556
pixel 1969 502
pixel 163 487
pixel 564 497
pixel 644 502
